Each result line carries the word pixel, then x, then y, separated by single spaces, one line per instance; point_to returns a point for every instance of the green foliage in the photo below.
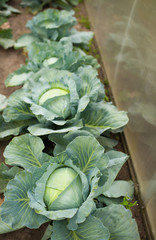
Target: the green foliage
pixel 81 173
pixel 5 33
pixel 38 5
pixel 97 56
pixel 6 175
pixel 88 49
pixel 127 202
pixel 16 200
pixel 85 105
pixel 91 229
pixel 85 22
pixel 3 101
pixel 106 82
pixel 106 98
pixel 59 55
pixel 2 20
pixel 119 222
pixel 53 24
pixel 6 10
pixel 63 97
pixel 6 37
pixel 77 9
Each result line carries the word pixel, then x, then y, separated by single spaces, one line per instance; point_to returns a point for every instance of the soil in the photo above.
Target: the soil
pixel 11 60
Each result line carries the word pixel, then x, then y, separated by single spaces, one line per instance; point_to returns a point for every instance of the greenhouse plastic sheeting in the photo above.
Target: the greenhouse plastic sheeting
pixel 126 34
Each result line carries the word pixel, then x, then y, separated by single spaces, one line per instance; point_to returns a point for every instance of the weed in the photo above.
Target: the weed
pixel 127 203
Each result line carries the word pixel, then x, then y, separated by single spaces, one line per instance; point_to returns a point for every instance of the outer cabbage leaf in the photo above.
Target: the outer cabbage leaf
pixel 108 201
pixel 13 127
pixel 18 77
pixel 5 227
pixel 91 229
pixel 119 222
pixel 86 153
pixel 107 143
pixel 25 40
pixel 102 116
pixel 34 5
pixel 89 84
pixel 6 175
pixel 120 188
pixel 16 108
pixel 6 40
pixel 3 101
pixel 17 201
pixel 116 192
pixel 6 10
pixel 2 3
pixel 6 43
pixel 80 38
pixel 48 232
pixel 65 4
pixel 116 161
pixel 43 129
pixel 74 2
pixel 62 140
pixel 26 151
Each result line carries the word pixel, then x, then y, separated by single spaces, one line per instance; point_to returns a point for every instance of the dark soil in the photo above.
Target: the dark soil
pixel 11 60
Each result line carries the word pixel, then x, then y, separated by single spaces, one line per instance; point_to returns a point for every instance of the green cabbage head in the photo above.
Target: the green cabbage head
pixel 63 185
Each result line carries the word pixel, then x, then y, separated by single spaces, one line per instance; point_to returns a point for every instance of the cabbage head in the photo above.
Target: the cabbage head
pixel 61 191
pixel 63 185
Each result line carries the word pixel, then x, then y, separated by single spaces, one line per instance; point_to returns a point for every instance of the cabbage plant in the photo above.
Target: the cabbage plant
pixel 58 101
pixel 54 25
pixel 53 54
pixel 37 5
pixel 6 10
pixel 6 40
pixel 64 190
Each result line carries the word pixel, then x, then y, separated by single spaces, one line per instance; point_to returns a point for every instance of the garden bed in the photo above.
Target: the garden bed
pixel 11 60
